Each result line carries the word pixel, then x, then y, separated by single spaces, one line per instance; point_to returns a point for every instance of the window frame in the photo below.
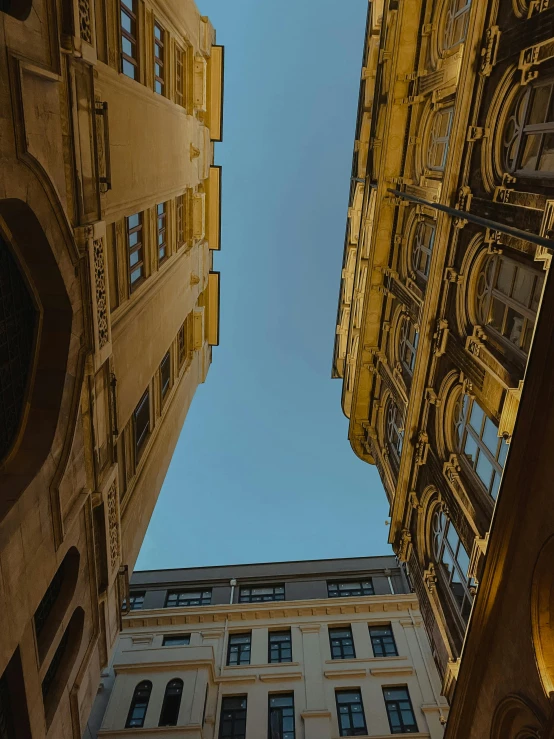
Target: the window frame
pixel 189 602
pixel 173 684
pixel 134 701
pixel 249 597
pixel 243 648
pixel 137 248
pixel 132 14
pixel 350 731
pixel 436 140
pixel 183 340
pixel 395 430
pixel 159 48
pixel 141 442
pixel 280 646
pixel 441 542
pixel 450 42
pixel 168 639
pixel 234 718
pixel 343 592
pixel 404 728
pixel 165 388
pixel 382 640
pixel 275 715
pixel 134 598
pixel 409 340
pixel 181 65
pixel 421 246
pixel 344 650
pixel 180 220
pixel 161 232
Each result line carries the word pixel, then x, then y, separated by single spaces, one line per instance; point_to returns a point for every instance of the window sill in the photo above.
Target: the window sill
pixel 357 660
pixel 263 664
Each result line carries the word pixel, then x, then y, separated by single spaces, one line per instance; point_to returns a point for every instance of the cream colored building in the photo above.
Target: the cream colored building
pixel 109 217
pixel 284 651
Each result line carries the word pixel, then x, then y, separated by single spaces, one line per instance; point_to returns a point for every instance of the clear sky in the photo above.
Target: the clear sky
pixel 263 470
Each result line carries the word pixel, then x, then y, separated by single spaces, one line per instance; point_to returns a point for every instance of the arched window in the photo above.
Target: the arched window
pixel 507 299
pixel 139 705
pixel 422 247
pixel 477 439
pixel 409 338
pixel 438 140
pixel 172 702
pixel 529 132
pixel 451 556
pixel 457 20
pixel 395 430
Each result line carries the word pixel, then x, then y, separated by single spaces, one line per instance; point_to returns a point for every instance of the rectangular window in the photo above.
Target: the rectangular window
pixel 180 71
pixel 262 594
pixel 399 710
pixel 135 249
pixel 129 35
pixel 142 423
pixel 281 716
pixel 187 598
pixel 382 641
pixel 238 651
pixel 350 711
pixel 440 135
pixel 161 229
pixel 232 724
pixel 180 212
pixel 136 601
pixel 165 375
pixel 280 647
pixel 342 643
pixel 176 640
pixel 159 58
pixel 182 344
pixel 349 589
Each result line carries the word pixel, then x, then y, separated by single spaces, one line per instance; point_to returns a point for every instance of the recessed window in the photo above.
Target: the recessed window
pixel 350 588
pixel 180 212
pixel 238 651
pixel 135 249
pixel 162 232
pixel 55 664
pixel 451 554
pixel 507 300
pixel 180 76
pixel 400 711
pixel 187 598
pixel 422 247
pixel 232 724
pixel 395 431
pixel 182 343
pixel 171 704
pixel 350 712
pixel 281 716
pixel 129 53
pixel 165 375
pixel 342 643
pixel 261 594
pixel 382 641
pixel 142 423
pixel 457 20
pixel 529 131
pixel 176 640
pixel 477 439
pixel 159 59
pixel 46 604
pixel 438 140
pixel 136 601
pixel 409 339
pixel 139 705
pixel 280 646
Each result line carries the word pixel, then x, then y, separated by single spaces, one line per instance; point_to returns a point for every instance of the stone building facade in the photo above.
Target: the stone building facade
pixel 109 216
pixel 291 650
pixel 437 312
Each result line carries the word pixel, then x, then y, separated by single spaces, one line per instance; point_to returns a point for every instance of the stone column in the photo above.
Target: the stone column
pixel 317 717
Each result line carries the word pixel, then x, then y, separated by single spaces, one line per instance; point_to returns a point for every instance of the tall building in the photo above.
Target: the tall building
pixel 291 650
pixel 109 215
pixel 446 258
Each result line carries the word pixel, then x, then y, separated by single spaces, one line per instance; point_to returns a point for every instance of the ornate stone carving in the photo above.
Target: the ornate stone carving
pixel 113 524
pixel 430 578
pixel 100 290
pixel 440 337
pixel 422 448
pixel 405 544
pixel 489 51
pixel 85 25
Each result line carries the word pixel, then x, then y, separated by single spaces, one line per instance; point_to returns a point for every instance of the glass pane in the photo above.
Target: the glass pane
pixel 470 448
pixel 505 278
pixel 530 151
pixel 158 87
pixel 133 221
pixel 495 485
pixel 546 162
pixel 496 316
pixel 125 22
pixel 136 274
pixel 133 238
pixel 127 47
pixel 134 257
pixel 128 69
pixel 463 560
pixel 538 110
pixel 514 326
pixel 490 436
pixel 453 538
pixel 476 418
pixel 503 451
pixel 484 469
pixel 157 32
pixel 523 286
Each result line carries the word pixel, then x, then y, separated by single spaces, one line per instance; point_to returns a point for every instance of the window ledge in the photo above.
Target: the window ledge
pixel 358 660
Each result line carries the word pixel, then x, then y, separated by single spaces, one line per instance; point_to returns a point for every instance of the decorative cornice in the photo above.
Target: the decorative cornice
pixel 337 674
pixel 280 677
pixel 391 671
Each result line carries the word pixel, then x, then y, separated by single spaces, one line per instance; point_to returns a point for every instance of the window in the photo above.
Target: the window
pixel 422 247
pixel 477 439
pixel 232 724
pixel 409 338
pixel 180 76
pixel 450 553
pixel 178 598
pixel 135 251
pixel 438 140
pixel 529 132
pixel 142 423
pixel 50 597
pixel 176 640
pixel 350 588
pixel 162 246
pixel 350 712
pixel 238 651
pixel 172 702
pixel 507 300
pixel 280 646
pixel 457 21
pixel 54 665
pixel 395 430
pixel 129 55
pixel 382 641
pixel 281 716
pixel 342 643
pixel 262 594
pixel 136 601
pixel 139 705
pixel 399 710
pixel 180 211
pixel 159 57
pixel 182 344
pixel 165 375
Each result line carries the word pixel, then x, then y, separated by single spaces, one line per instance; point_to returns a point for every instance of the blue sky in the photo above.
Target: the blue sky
pixel 263 470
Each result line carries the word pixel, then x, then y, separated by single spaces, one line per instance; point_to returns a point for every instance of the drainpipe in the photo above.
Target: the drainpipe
pixel 442 717
pixel 233 584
